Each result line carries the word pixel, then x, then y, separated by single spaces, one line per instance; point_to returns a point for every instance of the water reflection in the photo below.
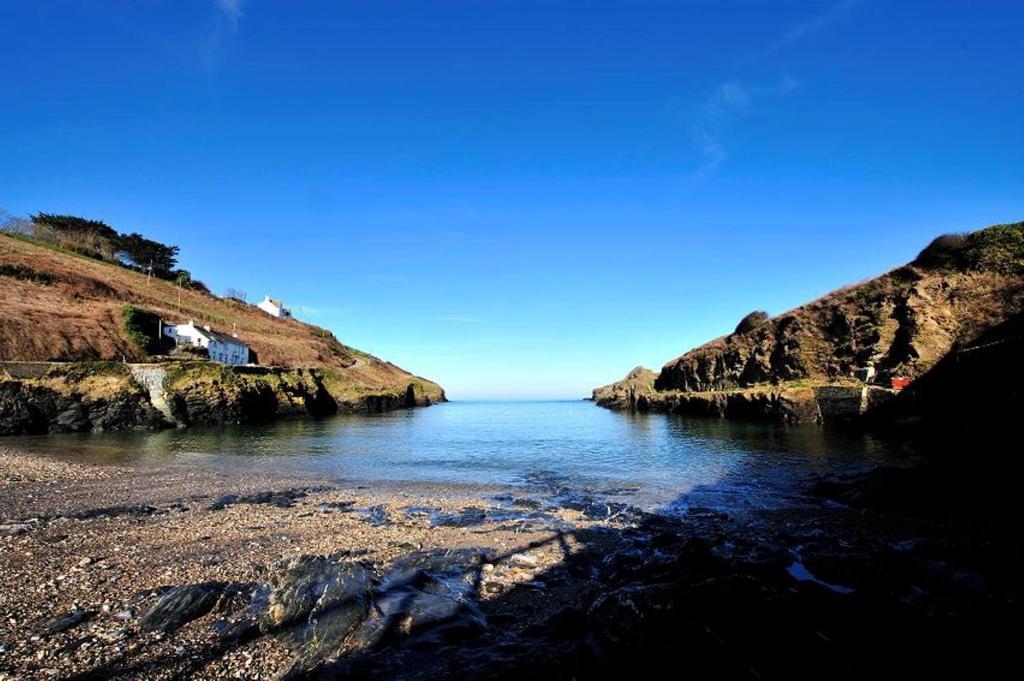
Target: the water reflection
pixel 499 443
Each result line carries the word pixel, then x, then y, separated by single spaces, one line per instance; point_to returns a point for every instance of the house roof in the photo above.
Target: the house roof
pixel 222 337
pixel 214 335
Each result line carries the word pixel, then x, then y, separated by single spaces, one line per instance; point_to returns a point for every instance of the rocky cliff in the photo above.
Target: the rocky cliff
pixel 901 324
pixel 40 397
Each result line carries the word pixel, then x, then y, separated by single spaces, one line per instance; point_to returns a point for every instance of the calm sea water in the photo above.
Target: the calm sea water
pixel 662 461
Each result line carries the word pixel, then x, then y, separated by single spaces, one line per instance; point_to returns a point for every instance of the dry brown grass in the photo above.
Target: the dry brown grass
pixel 72 310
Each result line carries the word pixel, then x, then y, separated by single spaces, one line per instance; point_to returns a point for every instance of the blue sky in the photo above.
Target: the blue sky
pixel 520 199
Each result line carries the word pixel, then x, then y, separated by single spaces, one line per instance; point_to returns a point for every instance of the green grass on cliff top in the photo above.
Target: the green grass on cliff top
pixel 999 248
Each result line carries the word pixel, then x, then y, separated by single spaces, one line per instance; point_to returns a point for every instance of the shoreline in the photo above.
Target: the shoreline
pixel 108 451
pixel 275 474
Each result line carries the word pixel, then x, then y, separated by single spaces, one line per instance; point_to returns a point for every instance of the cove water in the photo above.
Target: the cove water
pixel 658 461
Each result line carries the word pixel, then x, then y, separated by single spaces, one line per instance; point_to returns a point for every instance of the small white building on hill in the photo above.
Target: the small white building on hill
pixel 274 308
pixel 222 347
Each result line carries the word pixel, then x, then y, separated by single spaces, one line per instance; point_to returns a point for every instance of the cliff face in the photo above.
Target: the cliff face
pixel 63 307
pixel 75 399
pixel 899 324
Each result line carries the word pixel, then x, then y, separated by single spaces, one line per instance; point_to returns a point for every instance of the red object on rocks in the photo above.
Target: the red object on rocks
pixel 900 382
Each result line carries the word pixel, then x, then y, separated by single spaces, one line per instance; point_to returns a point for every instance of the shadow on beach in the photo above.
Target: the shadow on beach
pixel 861 579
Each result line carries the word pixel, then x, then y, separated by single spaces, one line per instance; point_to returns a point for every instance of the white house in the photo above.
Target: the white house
pixel 274 308
pixel 222 347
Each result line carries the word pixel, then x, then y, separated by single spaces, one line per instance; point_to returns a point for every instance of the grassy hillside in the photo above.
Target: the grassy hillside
pixel 59 305
pixel 901 323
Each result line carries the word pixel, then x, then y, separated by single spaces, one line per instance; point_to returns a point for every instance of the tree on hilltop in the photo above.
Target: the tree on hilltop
pixel 147 255
pixel 72 224
pixel 94 238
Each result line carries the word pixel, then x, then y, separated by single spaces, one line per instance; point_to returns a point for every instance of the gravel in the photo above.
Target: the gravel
pixel 88 575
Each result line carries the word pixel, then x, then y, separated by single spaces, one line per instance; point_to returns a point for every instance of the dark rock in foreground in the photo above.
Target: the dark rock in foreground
pixel 279 498
pixel 327 608
pixel 182 604
pixel 64 622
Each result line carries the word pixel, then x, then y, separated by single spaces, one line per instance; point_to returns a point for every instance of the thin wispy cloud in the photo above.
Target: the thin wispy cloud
pixel 232 11
pixel 725 104
pixel 734 98
pixel 726 101
pixel 832 13
pixel 711 150
pixel 221 33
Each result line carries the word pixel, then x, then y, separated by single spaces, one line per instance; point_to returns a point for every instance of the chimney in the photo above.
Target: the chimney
pixel 207 327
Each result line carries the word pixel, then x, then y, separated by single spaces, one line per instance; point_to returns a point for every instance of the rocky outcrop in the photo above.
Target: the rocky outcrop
pixel 107 400
pixel 41 397
pixel 901 324
pixel 822 404
pixel 632 392
pixel 207 394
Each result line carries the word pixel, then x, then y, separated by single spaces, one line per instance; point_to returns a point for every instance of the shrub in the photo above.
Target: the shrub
pixel 752 321
pixel 93 238
pixel 25 274
pixel 948 251
pixel 12 224
pixel 86 243
pixel 143 329
pixel 191 352
pixel 235 294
